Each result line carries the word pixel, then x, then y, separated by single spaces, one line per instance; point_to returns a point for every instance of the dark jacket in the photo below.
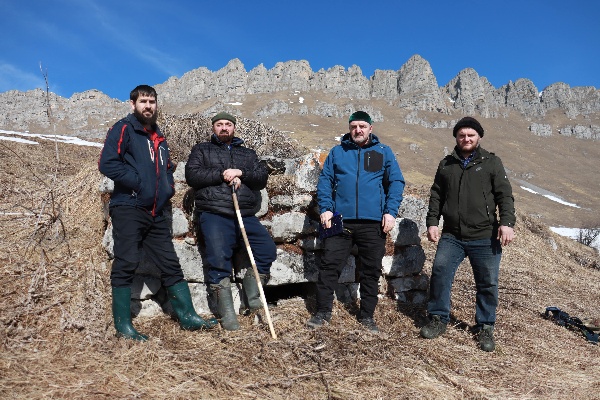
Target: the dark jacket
pixel 467 198
pixel 360 183
pixel 204 173
pixel 139 163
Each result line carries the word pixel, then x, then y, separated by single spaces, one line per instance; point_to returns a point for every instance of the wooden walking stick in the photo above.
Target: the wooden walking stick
pixel 256 275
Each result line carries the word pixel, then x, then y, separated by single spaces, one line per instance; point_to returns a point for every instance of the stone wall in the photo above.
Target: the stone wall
pixel 292 219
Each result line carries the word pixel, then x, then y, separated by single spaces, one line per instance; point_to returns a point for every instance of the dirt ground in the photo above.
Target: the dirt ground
pixel 57 338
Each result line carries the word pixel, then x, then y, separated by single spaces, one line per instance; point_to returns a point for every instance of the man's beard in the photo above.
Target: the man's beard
pixel 145 120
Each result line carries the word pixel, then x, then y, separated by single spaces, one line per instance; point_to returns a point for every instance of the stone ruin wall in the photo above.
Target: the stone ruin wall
pixel 290 214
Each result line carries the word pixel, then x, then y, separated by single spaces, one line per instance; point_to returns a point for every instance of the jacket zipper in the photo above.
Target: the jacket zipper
pixel 357 179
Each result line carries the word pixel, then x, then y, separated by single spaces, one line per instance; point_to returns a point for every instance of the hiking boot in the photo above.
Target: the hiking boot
pixel 369 323
pixel 434 328
pixel 485 337
pixel 318 320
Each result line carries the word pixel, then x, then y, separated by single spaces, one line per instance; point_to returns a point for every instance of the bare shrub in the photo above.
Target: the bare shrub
pixel 184 131
pixel 587 236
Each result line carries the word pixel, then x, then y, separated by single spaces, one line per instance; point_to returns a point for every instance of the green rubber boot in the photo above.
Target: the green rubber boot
pixel 121 308
pixel 250 299
pixel 221 294
pixel 181 300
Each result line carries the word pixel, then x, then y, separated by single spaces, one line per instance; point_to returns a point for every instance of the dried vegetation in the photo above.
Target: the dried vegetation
pixel 56 335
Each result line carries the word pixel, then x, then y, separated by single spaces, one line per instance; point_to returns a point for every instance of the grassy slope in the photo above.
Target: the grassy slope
pixel 57 336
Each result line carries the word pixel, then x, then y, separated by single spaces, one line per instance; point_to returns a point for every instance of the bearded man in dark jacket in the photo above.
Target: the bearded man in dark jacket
pixel 136 157
pixel 469 186
pixel 213 169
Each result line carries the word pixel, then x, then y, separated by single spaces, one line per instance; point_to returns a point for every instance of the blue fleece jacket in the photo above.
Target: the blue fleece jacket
pixel 361 183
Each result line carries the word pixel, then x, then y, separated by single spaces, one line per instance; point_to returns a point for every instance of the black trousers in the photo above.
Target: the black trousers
pixel 136 232
pixel 369 238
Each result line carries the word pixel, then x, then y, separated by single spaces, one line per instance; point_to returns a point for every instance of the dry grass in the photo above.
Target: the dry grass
pixel 57 340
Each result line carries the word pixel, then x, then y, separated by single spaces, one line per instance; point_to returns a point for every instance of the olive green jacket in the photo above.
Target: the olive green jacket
pixel 469 198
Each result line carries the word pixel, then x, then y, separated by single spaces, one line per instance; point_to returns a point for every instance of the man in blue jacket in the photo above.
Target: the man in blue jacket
pixel 136 157
pixel 362 181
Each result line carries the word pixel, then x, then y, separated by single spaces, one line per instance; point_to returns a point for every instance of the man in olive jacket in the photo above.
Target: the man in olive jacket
pixel 470 184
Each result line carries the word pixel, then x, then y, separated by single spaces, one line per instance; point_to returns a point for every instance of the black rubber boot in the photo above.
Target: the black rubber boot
pixel 221 294
pixel 121 308
pixel 250 299
pixel 181 300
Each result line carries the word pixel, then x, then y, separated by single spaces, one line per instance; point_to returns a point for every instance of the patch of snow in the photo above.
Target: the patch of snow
pixel 19 214
pixel 58 138
pixel 561 201
pixel 18 140
pixel 573 233
pixel 529 190
pixel 550 197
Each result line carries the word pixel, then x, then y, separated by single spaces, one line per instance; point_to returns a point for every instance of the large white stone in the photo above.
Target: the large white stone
pixel 290 226
pixel 179 222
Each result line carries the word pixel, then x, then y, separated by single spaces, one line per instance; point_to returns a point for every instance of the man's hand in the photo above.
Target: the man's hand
pixel 231 173
pixel 387 223
pixel 231 176
pixel 433 234
pixel 235 183
pixel 326 219
pixel 506 234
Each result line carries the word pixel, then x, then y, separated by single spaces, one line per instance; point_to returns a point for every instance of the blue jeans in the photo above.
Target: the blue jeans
pixel 222 235
pixel 484 256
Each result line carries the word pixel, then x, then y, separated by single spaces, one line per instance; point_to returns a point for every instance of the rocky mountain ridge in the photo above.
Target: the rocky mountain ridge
pixel 413 87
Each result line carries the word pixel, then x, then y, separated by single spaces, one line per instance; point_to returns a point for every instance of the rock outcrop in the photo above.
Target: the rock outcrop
pixel 413 87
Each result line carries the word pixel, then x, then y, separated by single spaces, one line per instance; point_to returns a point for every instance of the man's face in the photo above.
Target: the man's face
pixel 360 131
pixel 224 129
pixel 144 109
pixel 467 140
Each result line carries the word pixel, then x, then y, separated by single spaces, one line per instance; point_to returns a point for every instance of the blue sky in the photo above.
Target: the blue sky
pixel 113 45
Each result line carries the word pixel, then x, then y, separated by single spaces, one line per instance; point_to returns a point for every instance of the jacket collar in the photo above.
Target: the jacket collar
pixel 480 154
pixel 236 141
pixel 347 140
pixel 138 127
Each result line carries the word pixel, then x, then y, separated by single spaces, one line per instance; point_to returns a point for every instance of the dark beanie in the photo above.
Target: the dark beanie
pixel 360 116
pixel 468 122
pixel 223 115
